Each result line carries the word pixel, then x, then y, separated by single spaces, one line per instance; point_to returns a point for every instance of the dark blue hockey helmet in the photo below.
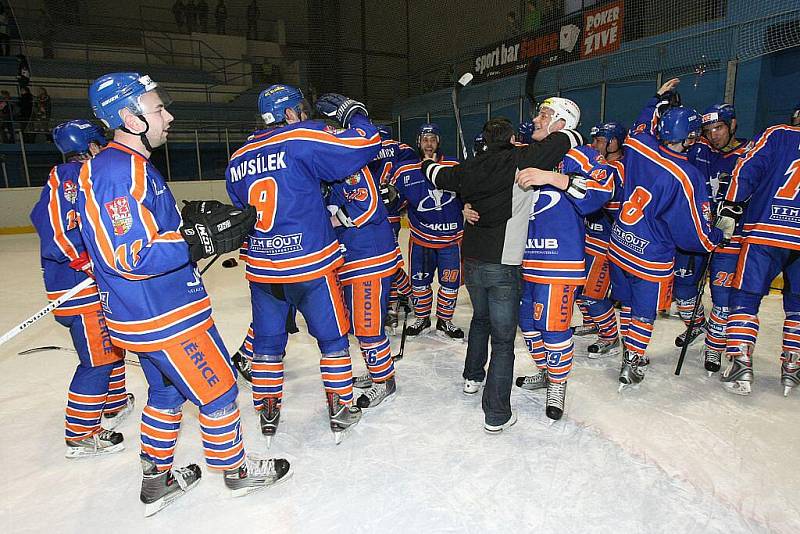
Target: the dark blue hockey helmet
pixel 612 130
pixel 678 124
pixel 74 137
pixel 428 128
pixel 719 112
pixel 478 144
pixel 276 99
pixel 525 133
pixel 385 131
pixel 111 93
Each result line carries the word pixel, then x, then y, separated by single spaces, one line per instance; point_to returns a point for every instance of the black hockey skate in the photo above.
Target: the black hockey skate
pixel 244 366
pixel 738 377
pixel 632 370
pixel 255 474
pixel 584 330
pixel 533 382
pixel 712 360
pixel 602 348
pixel 100 443
pixel 270 416
pixel 362 381
pixel 697 331
pixel 379 392
pixel 449 329
pixel 342 417
pixel 556 398
pixel 161 488
pixel 790 371
pixel 419 326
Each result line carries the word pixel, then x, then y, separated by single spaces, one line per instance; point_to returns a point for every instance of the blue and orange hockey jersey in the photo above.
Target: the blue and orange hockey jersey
pixel 369 247
pixel 392 155
pixel 151 293
pixel 434 215
pixel 769 176
pixel 665 205
pixel 598 224
pixel 56 221
pixel 554 250
pixel 279 172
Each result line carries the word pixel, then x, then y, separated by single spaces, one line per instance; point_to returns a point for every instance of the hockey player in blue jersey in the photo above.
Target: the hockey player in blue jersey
pixel 665 205
pixel 593 301
pixel 767 178
pixel 144 253
pixel 97 392
pixel 436 224
pixel 292 260
pixel 716 155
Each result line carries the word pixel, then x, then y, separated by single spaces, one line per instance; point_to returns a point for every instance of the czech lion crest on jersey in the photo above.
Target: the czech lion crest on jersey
pixel 353 179
pixel 70 191
pixel 120 212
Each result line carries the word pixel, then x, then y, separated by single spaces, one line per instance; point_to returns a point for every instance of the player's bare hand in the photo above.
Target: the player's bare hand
pixel 530 177
pixel 669 85
pixel 470 214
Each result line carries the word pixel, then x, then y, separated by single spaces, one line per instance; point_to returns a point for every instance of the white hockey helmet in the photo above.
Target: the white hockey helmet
pixel 563 108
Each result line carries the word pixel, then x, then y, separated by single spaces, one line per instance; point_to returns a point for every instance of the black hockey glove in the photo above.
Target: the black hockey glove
pixel 211 227
pixel 666 100
pixel 577 186
pixel 728 215
pixel 388 193
pixel 340 108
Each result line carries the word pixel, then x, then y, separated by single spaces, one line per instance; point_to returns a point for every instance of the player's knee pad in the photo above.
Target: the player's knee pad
pixel 220 410
pixel 791 303
pixel 745 302
pixel 553 338
pixel 370 340
pixel 269 358
pixel 334 346
pixel 342 353
pixel 270 344
pixel 221 402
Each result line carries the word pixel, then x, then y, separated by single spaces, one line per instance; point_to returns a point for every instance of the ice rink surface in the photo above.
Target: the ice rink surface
pixel 676 454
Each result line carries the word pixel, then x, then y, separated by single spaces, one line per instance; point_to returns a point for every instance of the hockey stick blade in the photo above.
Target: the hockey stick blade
pixel 45 348
pixel 465 79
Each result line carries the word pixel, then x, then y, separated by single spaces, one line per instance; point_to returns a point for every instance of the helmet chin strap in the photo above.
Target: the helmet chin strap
pixel 143 135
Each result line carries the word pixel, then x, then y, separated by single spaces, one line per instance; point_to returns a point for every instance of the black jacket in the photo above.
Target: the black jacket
pixel 487 182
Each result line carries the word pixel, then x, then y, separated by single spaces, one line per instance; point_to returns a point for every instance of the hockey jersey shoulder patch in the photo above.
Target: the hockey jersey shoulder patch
pixel 119 211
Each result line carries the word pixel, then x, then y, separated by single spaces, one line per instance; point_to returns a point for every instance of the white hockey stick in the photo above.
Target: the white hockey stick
pixel 47 309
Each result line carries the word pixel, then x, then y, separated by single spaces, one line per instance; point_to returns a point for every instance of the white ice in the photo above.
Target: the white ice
pixel 676 454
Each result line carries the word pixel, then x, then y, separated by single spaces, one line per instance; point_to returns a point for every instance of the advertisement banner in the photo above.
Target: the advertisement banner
pixel 602 29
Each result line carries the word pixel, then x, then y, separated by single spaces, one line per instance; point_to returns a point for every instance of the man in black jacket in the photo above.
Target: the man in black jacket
pixel 492 249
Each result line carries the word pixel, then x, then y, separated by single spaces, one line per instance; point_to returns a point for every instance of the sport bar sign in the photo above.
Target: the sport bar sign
pixel 602 29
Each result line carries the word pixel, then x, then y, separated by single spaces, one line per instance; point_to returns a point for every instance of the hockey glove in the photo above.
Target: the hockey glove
pixel 211 227
pixel 83 263
pixel 340 216
pixel 666 100
pixel 388 193
pixel 728 216
pixel 577 186
pixel 340 108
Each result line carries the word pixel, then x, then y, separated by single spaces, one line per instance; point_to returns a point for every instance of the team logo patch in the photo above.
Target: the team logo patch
pixel 353 179
pixel 358 195
pixel 70 191
pixel 706 208
pixel 120 212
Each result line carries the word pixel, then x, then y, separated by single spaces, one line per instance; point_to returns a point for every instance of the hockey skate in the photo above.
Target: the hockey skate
pixel 632 370
pixel 363 381
pixel 100 443
pixel 391 321
pixel 697 331
pixel 114 419
pixel 244 366
pixel 790 371
pixel 161 488
pixel 584 330
pixel 603 348
pixel 449 329
pixel 712 360
pixel 255 474
pixel 556 397
pixel 419 326
pixel 533 382
pixel 738 377
pixel 379 392
pixel 471 387
pixel 343 417
pixel 497 429
pixel 269 416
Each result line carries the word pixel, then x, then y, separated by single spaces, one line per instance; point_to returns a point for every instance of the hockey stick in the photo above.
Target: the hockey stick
pixel 460 84
pixel 697 302
pixel 530 81
pixel 45 348
pixel 399 355
pixel 61 300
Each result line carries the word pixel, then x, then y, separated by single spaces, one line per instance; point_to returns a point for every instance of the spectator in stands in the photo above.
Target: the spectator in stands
pixel 202 15
pixel 252 20
pixel 513 28
pixel 4 43
pixel 221 15
pixel 179 12
pixel 6 117
pixel 25 112
pixel 533 16
pixel 40 120
pixel 23 71
pixel 191 16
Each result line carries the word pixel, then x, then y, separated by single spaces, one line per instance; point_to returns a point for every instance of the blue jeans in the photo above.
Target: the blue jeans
pixel 494 290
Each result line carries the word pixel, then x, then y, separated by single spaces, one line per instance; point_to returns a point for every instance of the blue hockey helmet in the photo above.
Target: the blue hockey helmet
pixel 525 133
pixel 74 137
pixel 428 128
pixel 719 112
pixel 385 131
pixel 478 144
pixel 678 124
pixel 276 99
pixel 111 93
pixel 612 130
